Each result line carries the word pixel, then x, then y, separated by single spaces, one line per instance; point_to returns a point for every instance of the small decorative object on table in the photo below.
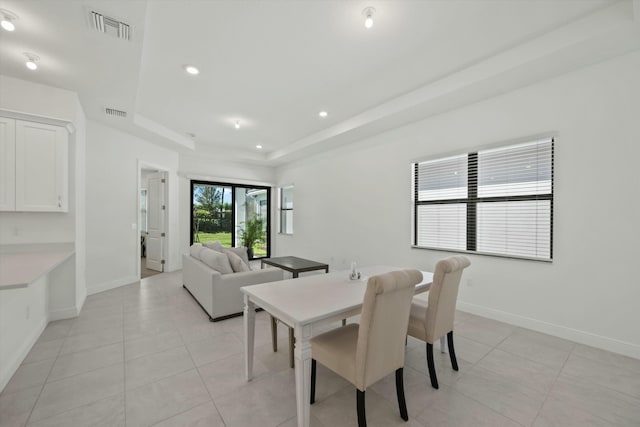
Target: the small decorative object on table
pixel 355 274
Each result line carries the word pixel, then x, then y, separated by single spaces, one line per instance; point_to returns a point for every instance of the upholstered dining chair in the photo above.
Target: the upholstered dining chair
pixel 432 318
pixel 365 353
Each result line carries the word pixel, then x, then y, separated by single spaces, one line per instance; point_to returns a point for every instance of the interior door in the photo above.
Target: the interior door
pixel 156 213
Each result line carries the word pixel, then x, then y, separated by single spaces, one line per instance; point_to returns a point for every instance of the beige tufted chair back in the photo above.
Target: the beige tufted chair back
pixel 443 296
pixel 383 325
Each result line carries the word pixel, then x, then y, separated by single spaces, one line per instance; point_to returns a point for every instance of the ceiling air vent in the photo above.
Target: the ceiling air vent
pixel 115 113
pixel 111 26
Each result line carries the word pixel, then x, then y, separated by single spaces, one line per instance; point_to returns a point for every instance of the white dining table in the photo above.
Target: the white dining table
pixel 306 304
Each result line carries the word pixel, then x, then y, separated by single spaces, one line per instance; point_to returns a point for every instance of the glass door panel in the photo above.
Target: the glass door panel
pixel 212 213
pixel 251 207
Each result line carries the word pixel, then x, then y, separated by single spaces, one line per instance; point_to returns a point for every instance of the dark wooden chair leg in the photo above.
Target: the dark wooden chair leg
pixel 402 404
pixel 362 417
pixel 452 352
pixel 313 381
pixel 431 366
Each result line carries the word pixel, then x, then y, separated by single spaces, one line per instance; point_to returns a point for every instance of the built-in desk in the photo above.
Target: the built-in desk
pixel 37 285
pixel 19 269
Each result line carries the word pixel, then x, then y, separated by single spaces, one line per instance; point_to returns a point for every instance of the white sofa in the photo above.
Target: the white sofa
pixel 219 294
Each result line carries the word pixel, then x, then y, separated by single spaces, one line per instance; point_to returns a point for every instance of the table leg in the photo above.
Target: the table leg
pixel 303 374
pixel 274 333
pixel 292 341
pixel 249 334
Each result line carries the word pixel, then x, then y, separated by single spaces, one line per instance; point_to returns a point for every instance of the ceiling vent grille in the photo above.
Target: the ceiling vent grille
pixel 115 113
pixel 105 24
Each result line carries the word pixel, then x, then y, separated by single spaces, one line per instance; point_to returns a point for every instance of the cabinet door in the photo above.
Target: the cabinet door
pixel 41 167
pixel 7 164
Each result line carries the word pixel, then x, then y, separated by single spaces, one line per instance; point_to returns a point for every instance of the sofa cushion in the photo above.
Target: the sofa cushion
pixel 216 260
pixel 241 252
pixel 216 246
pixel 195 250
pixel 236 262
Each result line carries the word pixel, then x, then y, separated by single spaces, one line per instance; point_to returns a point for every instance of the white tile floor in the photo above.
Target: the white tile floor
pixel 146 354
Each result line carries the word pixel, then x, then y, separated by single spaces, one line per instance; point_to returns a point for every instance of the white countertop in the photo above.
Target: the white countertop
pixel 20 267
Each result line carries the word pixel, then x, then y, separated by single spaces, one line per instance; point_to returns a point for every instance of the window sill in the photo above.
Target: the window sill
pixel 548 261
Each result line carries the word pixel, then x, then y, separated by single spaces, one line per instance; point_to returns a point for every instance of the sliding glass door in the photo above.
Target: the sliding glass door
pixel 234 215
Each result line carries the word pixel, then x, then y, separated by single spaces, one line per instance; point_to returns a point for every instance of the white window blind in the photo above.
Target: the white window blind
pixel 497 201
pixel 443 226
pixel 516 170
pixel 443 179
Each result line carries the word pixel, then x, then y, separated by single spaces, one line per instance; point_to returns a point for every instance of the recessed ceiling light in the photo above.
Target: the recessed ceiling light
pixel 323 114
pixel 31 61
pixel 7 20
pixel 191 69
pixel 7 24
pixel 368 17
pixel 259 147
pixel 237 124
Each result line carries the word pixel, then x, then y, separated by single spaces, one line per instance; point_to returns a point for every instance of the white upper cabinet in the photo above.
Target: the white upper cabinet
pixel 7 164
pixel 40 168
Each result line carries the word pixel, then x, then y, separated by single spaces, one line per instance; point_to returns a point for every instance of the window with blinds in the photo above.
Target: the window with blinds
pixel 497 201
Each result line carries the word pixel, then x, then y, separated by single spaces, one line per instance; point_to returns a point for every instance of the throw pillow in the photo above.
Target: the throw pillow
pixel 216 260
pixel 216 246
pixel 195 250
pixel 241 252
pixel 236 262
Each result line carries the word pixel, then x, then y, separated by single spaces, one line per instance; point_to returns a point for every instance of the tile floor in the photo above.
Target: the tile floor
pixel 144 271
pixel 146 354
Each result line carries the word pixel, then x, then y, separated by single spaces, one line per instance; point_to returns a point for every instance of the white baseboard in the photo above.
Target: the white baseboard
pixel 81 299
pixel 8 369
pixel 64 313
pixel 94 289
pixel 582 337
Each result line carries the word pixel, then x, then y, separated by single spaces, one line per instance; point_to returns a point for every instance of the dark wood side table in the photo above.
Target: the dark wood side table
pixel 295 266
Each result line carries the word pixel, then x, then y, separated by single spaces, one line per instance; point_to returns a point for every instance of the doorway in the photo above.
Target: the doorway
pixel 152 221
pixel 233 214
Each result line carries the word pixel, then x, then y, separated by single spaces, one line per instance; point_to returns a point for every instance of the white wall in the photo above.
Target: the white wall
pixel 43 101
pixel 33 98
pixel 79 182
pixel 39 101
pixel 24 312
pixel 113 241
pixel 354 204
pixel 199 168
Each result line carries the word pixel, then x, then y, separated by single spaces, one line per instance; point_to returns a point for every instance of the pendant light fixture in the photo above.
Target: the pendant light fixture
pixel 32 60
pixel 368 13
pixel 7 20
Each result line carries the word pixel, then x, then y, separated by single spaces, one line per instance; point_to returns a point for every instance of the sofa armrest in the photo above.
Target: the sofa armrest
pixel 227 297
pixel 254 277
pixel 198 278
